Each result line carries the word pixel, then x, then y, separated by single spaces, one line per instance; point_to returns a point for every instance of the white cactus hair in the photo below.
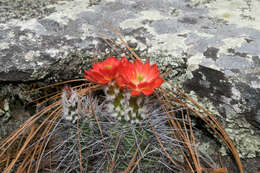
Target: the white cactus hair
pixel 70 99
pixel 75 106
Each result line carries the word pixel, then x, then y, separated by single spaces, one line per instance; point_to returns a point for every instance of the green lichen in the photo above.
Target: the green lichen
pixel 246 140
pixel 208 147
pixel 170 64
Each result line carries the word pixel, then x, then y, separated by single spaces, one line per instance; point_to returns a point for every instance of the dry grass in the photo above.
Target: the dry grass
pixel 33 146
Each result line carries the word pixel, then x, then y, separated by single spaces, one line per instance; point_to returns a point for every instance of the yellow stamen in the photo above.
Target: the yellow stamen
pixel 140 77
pixel 109 66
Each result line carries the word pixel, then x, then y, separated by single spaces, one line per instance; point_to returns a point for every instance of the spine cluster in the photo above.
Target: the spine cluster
pixel 121 105
pixel 70 99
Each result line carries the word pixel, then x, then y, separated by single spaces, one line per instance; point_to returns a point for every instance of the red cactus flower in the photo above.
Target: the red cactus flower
pixel 124 64
pixel 103 72
pixel 139 77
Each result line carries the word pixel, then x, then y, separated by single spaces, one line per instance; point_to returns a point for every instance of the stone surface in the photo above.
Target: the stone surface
pixel 212 46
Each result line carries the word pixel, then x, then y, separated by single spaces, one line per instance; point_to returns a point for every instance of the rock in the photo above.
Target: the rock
pixel 212 48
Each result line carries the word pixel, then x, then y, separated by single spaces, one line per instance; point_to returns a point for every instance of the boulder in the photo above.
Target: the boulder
pixel 211 48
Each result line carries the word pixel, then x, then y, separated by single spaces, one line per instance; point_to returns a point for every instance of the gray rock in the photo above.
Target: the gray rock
pixel 213 48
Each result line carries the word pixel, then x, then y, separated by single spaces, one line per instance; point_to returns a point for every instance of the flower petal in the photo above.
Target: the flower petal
pixel 103 72
pixel 139 77
pixel 135 93
pixel 147 91
pixel 157 82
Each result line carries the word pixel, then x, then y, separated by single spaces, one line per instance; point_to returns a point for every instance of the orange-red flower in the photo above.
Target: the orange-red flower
pixel 139 77
pixel 103 72
pixel 124 65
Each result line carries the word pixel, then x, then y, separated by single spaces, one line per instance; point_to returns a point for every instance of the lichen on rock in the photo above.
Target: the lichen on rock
pixel 246 140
